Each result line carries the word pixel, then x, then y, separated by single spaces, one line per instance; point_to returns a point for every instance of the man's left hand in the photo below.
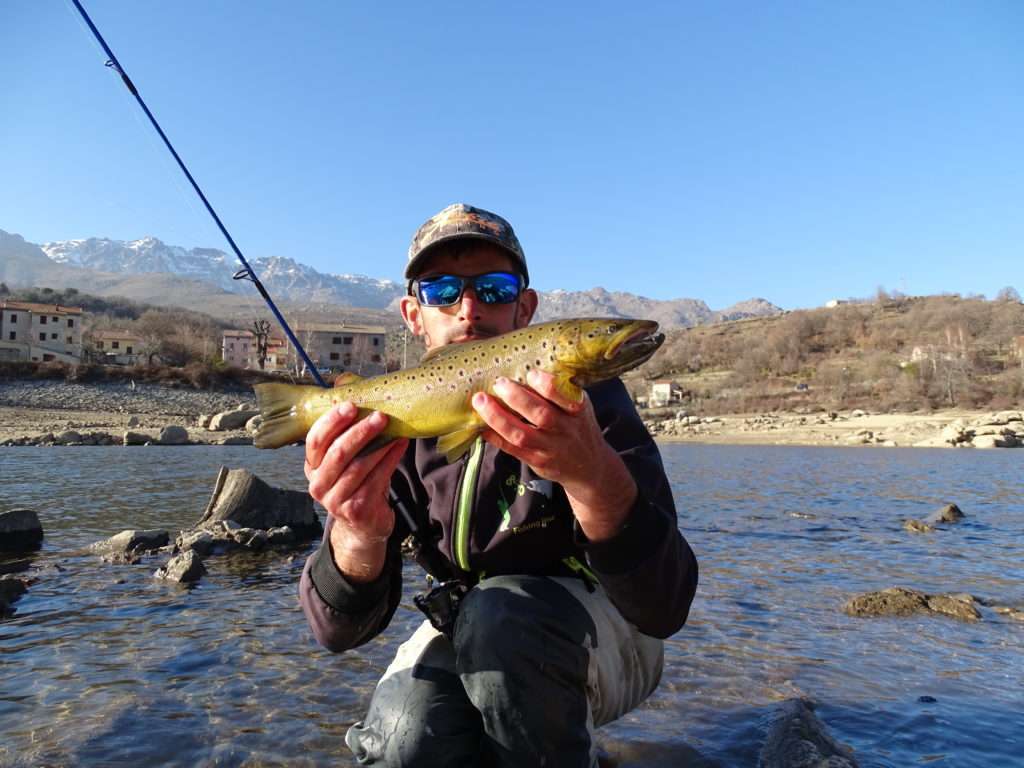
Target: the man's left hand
pixel 561 441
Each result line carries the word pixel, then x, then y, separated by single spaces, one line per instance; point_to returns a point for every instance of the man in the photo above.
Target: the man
pixel 560 525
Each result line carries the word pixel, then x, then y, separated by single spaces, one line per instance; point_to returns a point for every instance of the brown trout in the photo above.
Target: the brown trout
pixel 433 399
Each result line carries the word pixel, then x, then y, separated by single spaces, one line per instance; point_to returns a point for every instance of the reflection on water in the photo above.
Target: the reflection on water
pixel 102 665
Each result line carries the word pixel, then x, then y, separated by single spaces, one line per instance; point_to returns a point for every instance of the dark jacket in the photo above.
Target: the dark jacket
pixel 518 523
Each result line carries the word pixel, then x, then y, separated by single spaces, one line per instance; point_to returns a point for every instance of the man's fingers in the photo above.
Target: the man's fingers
pixel 326 429
pixel 544 383
pixel 511 429
pixel 527 403
pixel 343 451
pixel 365 480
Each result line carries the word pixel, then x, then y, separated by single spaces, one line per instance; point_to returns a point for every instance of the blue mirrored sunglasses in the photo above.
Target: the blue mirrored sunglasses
pixel 490 288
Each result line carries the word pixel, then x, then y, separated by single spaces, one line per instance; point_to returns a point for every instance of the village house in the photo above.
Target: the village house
pixel 343 347
pixel 665 392
pixel 239 350
pixel 40 332
pixel 115 347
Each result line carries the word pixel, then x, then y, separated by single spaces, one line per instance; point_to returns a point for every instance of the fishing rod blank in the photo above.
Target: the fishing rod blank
pixel 243 274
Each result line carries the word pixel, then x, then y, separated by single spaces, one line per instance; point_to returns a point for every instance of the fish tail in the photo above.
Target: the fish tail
pixel 282 423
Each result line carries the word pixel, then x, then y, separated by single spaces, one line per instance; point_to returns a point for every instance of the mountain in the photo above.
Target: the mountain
pixel 283 277
pixel 149 270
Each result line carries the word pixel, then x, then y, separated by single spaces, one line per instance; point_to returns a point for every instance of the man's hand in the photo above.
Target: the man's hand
pixel 353 489
pixel 561 441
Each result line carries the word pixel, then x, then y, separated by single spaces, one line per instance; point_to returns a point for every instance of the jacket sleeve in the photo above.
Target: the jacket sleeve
pixel 648 569
pixel 344 614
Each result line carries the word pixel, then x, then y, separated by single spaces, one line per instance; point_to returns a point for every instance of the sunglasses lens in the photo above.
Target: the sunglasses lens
pixel 440 291
pixel 497 288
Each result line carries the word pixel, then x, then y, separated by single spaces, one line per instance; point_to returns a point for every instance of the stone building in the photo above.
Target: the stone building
pixel 340 347
pixel 120 347
pixel 40 332
pixel 239 350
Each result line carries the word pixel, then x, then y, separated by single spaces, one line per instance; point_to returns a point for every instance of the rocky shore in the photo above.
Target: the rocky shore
pixel 61 413
pixel 940 429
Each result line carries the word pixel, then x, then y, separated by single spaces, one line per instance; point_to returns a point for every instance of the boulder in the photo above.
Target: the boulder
pixel 68 437
pixel 173 435
pixel 798 739
pixel 252 425
pixel 995 441
pixel 133 421
pixel 899 601
pixel 11 589
pixel 128 546
pixel 20 531
pixel 231 419
pixel 202 541
pixel 241 497
pixel 948 514
pixel 182 569
pixel 135 438
pixel 895 601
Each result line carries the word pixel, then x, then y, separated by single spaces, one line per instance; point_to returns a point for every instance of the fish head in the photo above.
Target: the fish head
pixel 595 349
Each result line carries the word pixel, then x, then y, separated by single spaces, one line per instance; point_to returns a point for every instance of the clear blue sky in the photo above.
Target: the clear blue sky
pixel 797 151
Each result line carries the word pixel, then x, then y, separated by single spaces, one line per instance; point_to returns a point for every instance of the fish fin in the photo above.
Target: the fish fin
pixel 567 388
pixel 448 349
pixel 281 421
pixel 346 378
pixel 455 444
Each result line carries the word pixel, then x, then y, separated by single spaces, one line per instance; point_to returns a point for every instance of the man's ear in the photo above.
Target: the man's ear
pixel 411 314
pixel 526 307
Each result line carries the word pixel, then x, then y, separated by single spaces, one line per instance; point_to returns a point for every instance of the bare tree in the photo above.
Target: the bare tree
pixel 261 329
pixel 1009 293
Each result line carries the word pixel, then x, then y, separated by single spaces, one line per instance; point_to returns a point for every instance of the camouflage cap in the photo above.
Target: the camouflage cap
pixel 464 221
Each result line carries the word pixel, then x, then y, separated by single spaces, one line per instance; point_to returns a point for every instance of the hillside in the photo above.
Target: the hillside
pixel 904 354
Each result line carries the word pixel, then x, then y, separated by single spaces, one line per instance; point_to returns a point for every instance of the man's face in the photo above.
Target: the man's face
pixel 469 318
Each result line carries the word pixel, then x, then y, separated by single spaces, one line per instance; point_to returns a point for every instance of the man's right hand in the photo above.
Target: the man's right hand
pixel 352 488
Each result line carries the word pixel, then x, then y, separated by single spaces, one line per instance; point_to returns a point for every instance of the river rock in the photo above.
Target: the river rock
pixel 241 497
pixel 11 589
pixel 798 739
pixel 253 424
pixel 917 526
pixel 173 435
pixel 68 437
pixel 20 531
pixel 135 438
pixel 899 601
pixel 200 540
pixel 948 514
pixel 236 440
pixel 231 419
pixel 958 606
pixel 182 569
pixel 995 441
pixel 128 546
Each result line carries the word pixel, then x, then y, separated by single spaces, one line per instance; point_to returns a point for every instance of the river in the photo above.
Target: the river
pixel 103 665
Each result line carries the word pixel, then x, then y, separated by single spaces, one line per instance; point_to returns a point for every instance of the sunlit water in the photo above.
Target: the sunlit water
pixel 103 665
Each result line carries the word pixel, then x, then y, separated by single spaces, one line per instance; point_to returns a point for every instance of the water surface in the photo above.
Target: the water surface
pixel 103 665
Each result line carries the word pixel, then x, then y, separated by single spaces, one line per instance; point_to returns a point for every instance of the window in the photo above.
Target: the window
pixel 376 341
pixel 348 359
pixel 334 355
pixel 56 320
pixel 53 336
pixel 231 345
pixel 42 337
pixel 14 336
pixel 128 350
pixel 42 320
pixel 71 322
pixel 69 340
pixel 47 358
pixel 336 340
pixel 376 358
pixel 99 345
pixel 348 339
pixel 115 345
pixel 14 319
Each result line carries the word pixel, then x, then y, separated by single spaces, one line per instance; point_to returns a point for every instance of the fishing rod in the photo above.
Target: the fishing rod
pixel 246 273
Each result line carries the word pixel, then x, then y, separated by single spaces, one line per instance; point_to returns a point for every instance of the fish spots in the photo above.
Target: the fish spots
pixel 462 372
